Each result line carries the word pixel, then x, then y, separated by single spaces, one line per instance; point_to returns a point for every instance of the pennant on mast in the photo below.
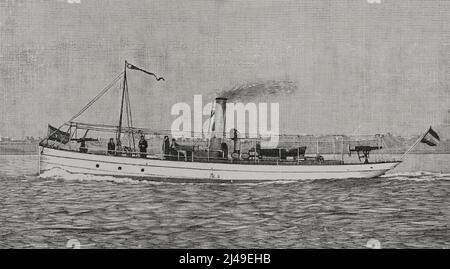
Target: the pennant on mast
pixel 133 67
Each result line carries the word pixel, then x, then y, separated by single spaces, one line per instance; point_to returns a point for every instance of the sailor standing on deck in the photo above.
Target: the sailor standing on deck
pixel 173 149
pixel 143 147
pixel 166 147
pixel 111 147
pixel 83 148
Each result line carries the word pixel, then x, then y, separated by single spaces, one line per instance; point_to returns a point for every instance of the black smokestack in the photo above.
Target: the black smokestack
pixel 219 122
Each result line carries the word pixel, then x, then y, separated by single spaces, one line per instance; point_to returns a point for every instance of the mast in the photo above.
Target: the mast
pixel 126 100
pixel 119 131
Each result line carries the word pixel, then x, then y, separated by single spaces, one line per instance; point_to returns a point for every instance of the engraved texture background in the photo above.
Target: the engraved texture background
pixel 358 66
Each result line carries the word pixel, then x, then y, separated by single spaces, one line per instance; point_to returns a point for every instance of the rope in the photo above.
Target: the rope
pixel 298 138
pixel 85 107
pixel 413 146
pixel 99 95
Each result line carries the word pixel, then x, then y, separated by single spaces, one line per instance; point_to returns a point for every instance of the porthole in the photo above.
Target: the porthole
pixel 120 167
pixel 97 165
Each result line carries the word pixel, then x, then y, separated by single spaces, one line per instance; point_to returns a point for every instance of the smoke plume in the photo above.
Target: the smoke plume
pixel 249 91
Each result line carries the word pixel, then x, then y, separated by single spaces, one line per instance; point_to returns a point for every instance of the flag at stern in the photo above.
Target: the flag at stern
pixel 431 138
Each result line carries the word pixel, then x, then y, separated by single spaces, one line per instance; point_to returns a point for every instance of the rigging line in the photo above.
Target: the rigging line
pixel 129 115
pixel 99 127
pixel 85 107
pixel 119 129
pixel 127 118
pixel 127 111
pixel 98 96
pixel 131 122
pixel 325 138
pixel 129 108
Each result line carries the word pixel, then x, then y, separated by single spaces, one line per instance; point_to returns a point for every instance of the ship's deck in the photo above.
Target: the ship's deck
pixel 310 160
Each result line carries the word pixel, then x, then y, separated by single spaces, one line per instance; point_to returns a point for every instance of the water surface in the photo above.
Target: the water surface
pixel 408 208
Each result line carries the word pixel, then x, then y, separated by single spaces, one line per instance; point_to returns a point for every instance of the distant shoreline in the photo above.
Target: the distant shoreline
pixel 18 148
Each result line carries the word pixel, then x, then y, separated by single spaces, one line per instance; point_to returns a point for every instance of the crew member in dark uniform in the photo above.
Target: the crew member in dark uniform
pixel 143 147
pixel 83 148
pixel 174 148
pixel 224 148
pixel 166 147
pixel 111 147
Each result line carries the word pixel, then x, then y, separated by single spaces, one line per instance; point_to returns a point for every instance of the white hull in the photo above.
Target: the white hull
pixel 76 162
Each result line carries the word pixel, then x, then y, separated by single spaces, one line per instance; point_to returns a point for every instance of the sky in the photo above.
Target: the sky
pixel 359 67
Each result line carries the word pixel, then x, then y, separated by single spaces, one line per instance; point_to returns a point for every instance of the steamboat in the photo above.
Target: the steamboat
pixel 224 155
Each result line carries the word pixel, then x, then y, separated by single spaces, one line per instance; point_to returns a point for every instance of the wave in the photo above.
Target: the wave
pixel 58 173
pixel 418 176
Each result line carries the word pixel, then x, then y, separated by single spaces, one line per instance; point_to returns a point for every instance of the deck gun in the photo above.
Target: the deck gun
pixel 362 151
